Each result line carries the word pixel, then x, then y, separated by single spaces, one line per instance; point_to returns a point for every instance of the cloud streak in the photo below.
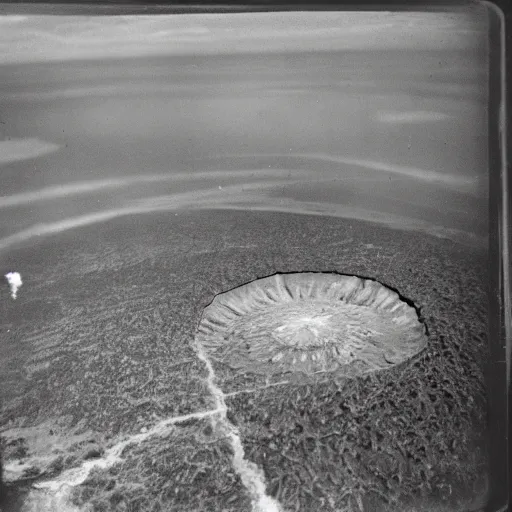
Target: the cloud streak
pixel 348 212
pixel 15 150
pixel 247 196
pixel 248 193
pixel 10 20
pixel 43 38
pixel 419 116
pixel 460 183
pixel 89 187
pixel 154 204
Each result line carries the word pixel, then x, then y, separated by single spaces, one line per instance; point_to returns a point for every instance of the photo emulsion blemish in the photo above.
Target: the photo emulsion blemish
pixel 245 260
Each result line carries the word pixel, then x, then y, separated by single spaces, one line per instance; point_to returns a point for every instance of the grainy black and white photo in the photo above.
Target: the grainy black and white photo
pixel 243 259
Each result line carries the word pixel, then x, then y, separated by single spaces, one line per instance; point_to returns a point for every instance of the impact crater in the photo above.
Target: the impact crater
pixel 311 323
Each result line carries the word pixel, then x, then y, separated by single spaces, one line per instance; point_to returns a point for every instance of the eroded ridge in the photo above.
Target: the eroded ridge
pixel 251 475
pixel 311 323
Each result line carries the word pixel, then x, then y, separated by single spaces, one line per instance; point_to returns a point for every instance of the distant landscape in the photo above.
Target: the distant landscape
pixel 151 164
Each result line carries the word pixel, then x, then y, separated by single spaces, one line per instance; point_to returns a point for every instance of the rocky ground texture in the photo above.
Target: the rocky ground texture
pixel 99 346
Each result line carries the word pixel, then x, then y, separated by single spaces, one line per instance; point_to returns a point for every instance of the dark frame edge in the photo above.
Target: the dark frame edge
pixel 101 7
pixel 499 364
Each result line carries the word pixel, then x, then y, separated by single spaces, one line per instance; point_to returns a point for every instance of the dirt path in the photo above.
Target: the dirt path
pixel 51 495
pixel 251 475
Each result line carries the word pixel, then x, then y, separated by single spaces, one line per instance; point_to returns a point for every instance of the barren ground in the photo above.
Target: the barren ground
pixel 98 346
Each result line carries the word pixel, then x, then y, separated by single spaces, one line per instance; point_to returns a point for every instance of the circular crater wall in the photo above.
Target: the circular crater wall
pixel 311 323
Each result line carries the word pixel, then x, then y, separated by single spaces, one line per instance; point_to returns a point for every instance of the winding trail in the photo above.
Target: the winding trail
pixel 53 495
pixel 251 475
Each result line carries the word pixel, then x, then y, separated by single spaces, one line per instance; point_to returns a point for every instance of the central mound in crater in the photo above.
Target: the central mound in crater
pixel 311 323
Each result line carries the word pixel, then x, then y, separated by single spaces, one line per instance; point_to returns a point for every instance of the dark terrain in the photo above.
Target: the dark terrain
pixel 98 345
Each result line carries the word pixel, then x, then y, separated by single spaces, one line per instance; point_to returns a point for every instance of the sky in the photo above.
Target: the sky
pixel 42 38
pixel 379 116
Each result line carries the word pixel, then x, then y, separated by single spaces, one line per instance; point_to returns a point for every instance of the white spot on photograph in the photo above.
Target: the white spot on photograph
pixel 15 282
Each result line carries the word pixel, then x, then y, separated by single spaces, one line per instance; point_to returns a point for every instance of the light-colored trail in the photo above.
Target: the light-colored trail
pixel 53 495
pixel 251 475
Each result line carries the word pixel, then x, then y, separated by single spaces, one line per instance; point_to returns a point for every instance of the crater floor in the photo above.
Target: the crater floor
pixel 311 323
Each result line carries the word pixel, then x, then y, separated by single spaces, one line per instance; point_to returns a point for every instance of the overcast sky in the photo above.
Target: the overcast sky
pixel 398 136
pixel 41 38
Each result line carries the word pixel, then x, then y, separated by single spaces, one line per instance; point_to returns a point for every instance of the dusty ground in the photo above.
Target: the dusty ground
pixel 97 346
